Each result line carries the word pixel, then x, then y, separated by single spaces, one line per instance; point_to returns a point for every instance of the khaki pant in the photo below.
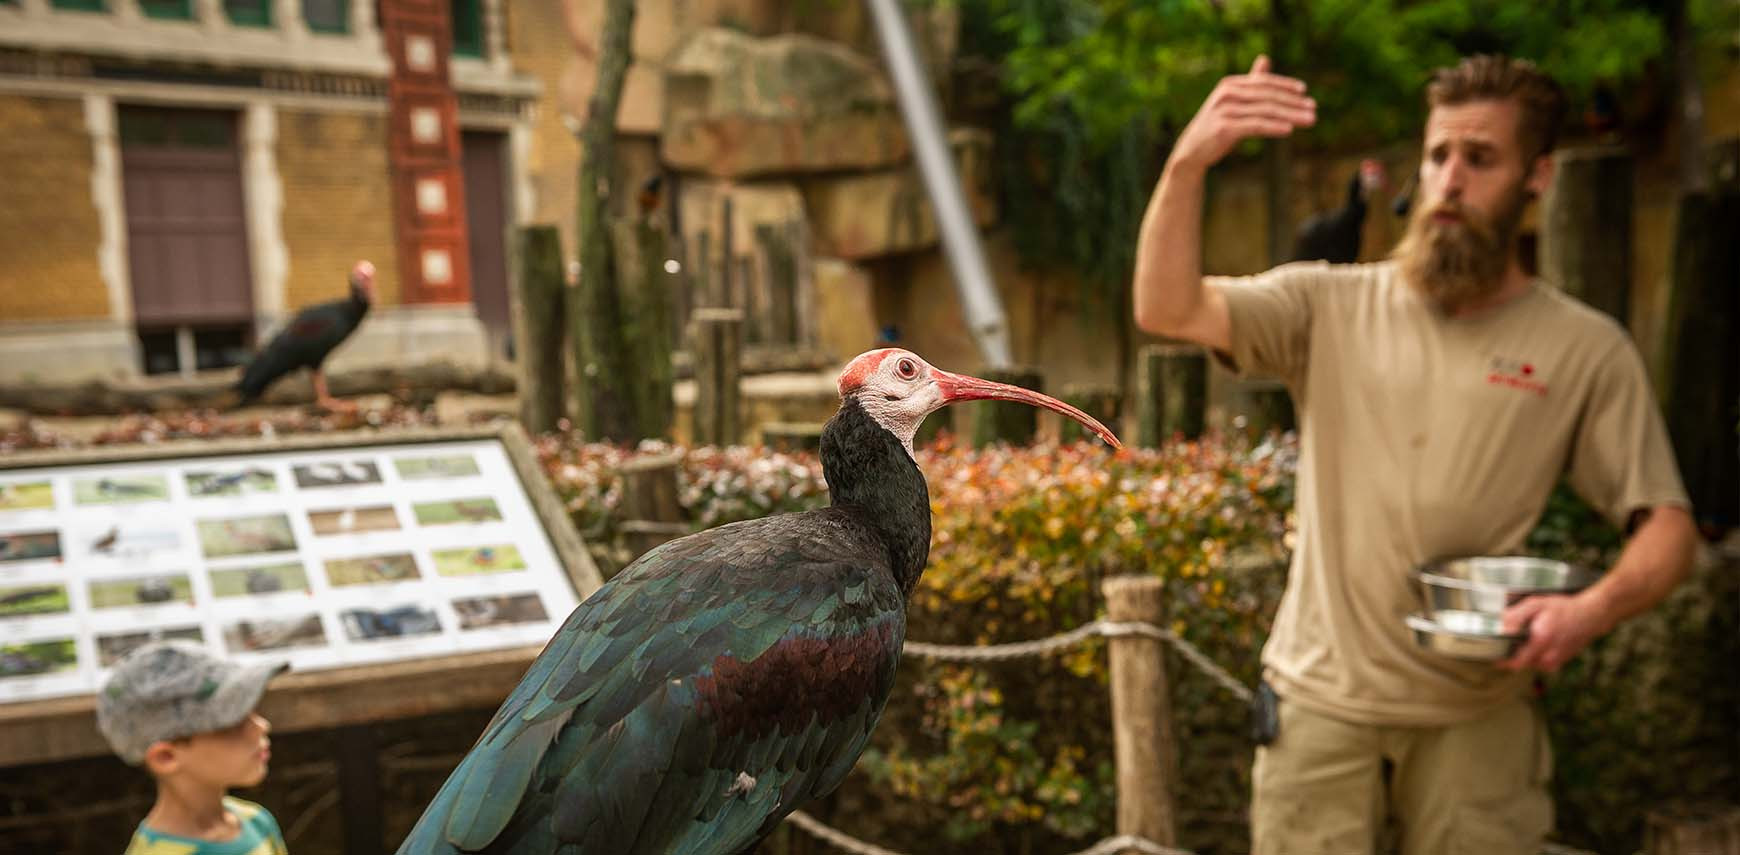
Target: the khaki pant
pixel 1478 788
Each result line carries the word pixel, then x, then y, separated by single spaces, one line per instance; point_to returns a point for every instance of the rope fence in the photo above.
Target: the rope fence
pixel 1066 640
pixel 977 653
pixel 847 843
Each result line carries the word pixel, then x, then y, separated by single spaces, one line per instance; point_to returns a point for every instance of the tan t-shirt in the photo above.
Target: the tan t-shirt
pixel 1423 436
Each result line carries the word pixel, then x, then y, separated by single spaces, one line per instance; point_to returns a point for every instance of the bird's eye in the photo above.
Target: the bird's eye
pixel 906 368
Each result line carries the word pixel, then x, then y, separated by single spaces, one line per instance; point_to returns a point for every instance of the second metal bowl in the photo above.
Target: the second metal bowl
pixel 1474 636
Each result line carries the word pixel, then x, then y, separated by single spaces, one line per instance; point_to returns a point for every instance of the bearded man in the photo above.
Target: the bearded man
pixel 1442 394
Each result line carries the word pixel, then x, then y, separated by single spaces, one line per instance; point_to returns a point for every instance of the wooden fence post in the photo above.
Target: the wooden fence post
pixel 1585 240
pixel 1101 402
pixel 1147 758
pixel 539 353
pixel 723 292
pixel 643 302
pixel 651 509
pixel 1171 393
pixel 1693 830
pixel 1007 421
pixel 1702 384
pixel 716 342
pixel 779 255
pixel 592 322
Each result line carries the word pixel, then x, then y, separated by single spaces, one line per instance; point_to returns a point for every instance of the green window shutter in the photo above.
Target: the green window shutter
pixel 249 13
pixel 467 17
pixel 327 16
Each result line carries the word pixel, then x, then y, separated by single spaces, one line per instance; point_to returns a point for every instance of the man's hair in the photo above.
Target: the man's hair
pixel 1498 78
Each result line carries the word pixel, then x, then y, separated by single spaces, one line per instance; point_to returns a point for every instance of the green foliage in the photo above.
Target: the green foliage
pixel 1095 90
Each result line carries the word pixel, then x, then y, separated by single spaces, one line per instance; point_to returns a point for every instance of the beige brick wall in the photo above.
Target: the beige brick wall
pixel 540 46
pixel 48 223
pixel 338 204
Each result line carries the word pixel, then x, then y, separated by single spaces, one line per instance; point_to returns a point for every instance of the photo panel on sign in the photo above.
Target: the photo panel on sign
pixel 230 481
pixel 120 488
pixel 250 535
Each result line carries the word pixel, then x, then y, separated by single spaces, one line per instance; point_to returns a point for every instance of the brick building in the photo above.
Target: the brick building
pixel 178 177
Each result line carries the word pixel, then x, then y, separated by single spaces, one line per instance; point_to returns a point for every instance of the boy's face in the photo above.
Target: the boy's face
pixel 233 757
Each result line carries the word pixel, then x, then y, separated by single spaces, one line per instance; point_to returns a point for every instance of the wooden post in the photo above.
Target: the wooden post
pixel 1007 421
pixel 1171 394
pixel 704 287
pixel 682 289
pixel 359 787
pixel 1101 402
pixel 1147 758
pixel 779 257
pixel 722 287
pixel 1586 228
pixel 643 310
pixel 716 337
pixel 1702 385
pixel 651 509
pixel 650 488
pixel 540 306
pixel 1693 830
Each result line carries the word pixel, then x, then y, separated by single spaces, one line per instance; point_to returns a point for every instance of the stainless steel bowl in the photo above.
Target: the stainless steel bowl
pixel 1475 636
pixel 1491 583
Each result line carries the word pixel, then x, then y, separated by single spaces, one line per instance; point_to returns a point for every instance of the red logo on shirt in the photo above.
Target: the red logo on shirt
pixel 1515 374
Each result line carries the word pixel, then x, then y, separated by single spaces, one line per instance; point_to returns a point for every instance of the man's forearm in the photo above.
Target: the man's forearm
pixel 1658 557
pixel 1168 278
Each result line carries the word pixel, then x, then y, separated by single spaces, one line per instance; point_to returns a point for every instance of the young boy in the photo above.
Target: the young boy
pixel 188 718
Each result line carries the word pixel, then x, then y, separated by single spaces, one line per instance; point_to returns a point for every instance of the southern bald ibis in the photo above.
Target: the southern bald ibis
pixel 728 677
pixel 309 338
pixel 1334 236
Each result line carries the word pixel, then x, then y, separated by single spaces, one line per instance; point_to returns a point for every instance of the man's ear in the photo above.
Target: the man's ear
pixel 162 758
pixel 1540 175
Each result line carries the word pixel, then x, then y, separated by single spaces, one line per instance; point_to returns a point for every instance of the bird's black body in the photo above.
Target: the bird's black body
pixel 305 342
pixel 1334 236
pixel 713 686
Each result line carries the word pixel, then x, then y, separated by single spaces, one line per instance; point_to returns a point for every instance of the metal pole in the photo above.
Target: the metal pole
pixel 960 237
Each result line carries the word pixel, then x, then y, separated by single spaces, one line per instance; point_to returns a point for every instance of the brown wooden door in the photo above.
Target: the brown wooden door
pixel 486 226
pixel 187 241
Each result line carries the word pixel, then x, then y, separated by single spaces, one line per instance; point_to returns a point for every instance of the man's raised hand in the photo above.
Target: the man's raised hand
pixel 1257 104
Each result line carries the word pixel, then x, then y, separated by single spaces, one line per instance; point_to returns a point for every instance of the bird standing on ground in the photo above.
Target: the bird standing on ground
pixel 728 677
pixel 1334 236
pixel 309 338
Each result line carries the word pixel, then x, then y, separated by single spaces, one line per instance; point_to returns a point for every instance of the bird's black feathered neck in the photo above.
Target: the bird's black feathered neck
pixel 359 300
pixel 869 471
pixel 1356 192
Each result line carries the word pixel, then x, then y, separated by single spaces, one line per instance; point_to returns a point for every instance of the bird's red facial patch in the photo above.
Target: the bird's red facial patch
pixel 861 368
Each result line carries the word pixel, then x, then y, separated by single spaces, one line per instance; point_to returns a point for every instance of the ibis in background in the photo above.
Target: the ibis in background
pixel 725 678
pixel 1334 236
pixel 309 338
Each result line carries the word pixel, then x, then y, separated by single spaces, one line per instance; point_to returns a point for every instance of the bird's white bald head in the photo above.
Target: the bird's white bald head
pixel 362 278
pixel 898 389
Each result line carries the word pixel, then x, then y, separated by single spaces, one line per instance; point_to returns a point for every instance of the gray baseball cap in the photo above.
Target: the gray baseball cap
pixel 174 689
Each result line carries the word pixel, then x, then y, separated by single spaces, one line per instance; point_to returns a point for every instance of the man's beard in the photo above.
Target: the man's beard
pixel 1458 264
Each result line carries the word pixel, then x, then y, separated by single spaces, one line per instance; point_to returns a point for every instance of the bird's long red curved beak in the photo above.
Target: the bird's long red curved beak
pixel 960 387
